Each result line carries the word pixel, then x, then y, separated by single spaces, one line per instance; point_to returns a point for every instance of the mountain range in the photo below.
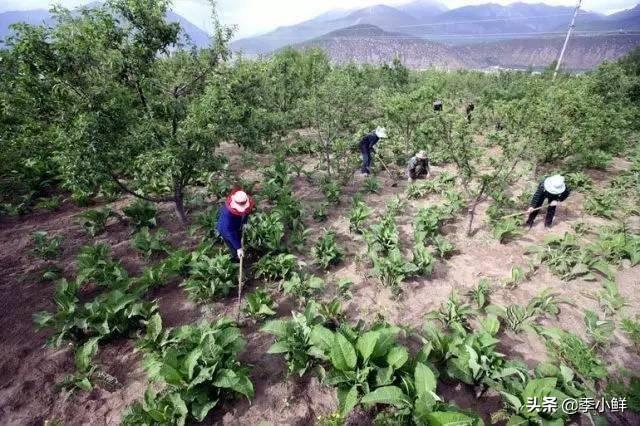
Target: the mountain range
pixel 41 16
pixel 426 33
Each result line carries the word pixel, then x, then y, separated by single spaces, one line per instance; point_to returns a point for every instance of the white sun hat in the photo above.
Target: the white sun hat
pixel 240 201
pixel 555 185
pixel 381 132
pixel 422 155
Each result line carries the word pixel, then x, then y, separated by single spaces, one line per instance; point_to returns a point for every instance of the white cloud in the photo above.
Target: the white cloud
pixel 259 16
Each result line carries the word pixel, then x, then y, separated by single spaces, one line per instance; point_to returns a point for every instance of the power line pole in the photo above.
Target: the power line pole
pixel 566 40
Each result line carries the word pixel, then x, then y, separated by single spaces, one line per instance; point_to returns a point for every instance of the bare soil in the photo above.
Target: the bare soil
pixel 30 370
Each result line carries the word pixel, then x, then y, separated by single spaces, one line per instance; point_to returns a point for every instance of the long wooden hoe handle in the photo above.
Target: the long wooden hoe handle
pixel 240 283
pixel 520 213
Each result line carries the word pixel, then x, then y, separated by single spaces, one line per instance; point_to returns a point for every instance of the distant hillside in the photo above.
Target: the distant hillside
pixel 382 16
pixel 38 16
pixel 432 20
pixel 372 45
pixel 627 20
pixel 493 21
pixel 583 52
pixel 423 10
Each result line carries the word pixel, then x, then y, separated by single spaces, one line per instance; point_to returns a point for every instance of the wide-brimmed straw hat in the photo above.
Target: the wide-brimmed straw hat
pixel 422 155
pixel 381 132
pixel 555 185
pixel 240 202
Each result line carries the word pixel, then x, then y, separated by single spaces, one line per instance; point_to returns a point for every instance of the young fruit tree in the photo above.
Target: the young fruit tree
pixel 129 95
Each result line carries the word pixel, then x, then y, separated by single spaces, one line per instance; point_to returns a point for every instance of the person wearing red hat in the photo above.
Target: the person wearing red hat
pixel 233 216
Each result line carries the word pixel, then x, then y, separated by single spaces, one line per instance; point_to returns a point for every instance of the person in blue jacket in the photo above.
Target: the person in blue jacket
pixel 366 147
pixel 233 216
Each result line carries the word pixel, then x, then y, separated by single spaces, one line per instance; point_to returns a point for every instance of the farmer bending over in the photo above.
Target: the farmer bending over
pixel 233 216
pixel 366 147
pixel 418 166
pixel 553 189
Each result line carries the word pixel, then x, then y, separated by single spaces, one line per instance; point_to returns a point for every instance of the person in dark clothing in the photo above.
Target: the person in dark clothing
pixel 552 189
pixel 418 166
pixel 470 108
pixel 366 147
pixel 437 105
pixel 233 216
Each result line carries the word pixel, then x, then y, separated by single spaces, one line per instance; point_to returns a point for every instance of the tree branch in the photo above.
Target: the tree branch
pixel 126 189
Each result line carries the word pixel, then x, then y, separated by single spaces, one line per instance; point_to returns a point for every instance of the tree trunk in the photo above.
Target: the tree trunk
pixel 179 202
pixel 472 215
pixel 327 157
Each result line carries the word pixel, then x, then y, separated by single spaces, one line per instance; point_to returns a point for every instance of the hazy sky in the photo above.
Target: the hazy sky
pixel 258 16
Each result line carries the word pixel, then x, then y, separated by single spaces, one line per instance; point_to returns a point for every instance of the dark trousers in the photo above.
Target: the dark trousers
pixel 232 251
pixel 548 220
pixel 366 160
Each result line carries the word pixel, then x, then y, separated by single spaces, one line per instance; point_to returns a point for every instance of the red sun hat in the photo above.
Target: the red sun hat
pixel 239 202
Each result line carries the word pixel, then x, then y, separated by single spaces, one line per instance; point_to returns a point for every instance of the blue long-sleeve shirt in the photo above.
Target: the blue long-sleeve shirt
pixel 230 227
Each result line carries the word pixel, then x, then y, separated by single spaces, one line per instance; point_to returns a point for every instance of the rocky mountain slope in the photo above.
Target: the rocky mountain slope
pixel 372 45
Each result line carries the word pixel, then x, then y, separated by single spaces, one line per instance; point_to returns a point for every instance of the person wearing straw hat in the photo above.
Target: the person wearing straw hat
pixel 553 189
pixel 366 147
pixel 233 216
pixel 418 166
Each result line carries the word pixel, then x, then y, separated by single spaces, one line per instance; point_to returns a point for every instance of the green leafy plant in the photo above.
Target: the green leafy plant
pixel 148 244
pixel 326 250
pixel 94 222
pixel 141 213
pixel 579 181
pixel 453 314
pixel 265 232
pixel 199 366
pixel 427 223
pixel 293 340
pixel 392 269
pixel 259 305
pixel 47 247
pixel 302 287
pixel 507 229
pixel 599 331
pixel 331 190
pixel 95 265
pixel 210 276
pixel 344 288
pixel 603 204
pixel 442 246
pixel 567 259
pixel 394 206
pixel 358 215
pixel 320 213
pixel 81 379
pixel 517 403
pixel 166 408
pixel 276 267
pixel 110 314
pixel 576 353
pixel 423 260
pixel 371 184
pixel 517 277
pixel 52 203
pixel 382 237
pixel 609 298
pixel 330 312
pixel 480 293
pixel 632 328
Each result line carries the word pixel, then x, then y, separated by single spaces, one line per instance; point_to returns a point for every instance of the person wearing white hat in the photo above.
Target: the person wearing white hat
pixel 233 216
pixel 418 166
pixel 366 147
pixel 555 190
